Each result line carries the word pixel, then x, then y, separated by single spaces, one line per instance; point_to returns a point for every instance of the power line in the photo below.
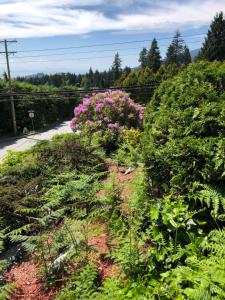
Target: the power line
pixel 70 59
pixel 80 90
pixel 87 52
pixel 106 44
pixel 67 94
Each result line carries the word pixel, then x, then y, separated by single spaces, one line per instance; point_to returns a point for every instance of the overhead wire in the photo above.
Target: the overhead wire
pixel 66 94
pixel 88 52
pixel 106 44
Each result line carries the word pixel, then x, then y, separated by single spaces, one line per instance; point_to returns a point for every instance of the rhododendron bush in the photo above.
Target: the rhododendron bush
pixel 107 112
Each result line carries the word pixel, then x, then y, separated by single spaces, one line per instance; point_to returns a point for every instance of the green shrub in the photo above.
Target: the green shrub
pixel 184 155
pixel 185 129
pixel 26 176
pixel 130 147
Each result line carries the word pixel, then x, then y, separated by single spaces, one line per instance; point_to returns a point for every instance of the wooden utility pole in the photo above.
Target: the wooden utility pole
pixel 6 52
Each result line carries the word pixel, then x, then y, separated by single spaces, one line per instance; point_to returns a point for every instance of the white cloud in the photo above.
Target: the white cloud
pixel 40 18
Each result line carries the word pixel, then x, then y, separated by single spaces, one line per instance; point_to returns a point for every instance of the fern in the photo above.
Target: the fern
pixel 6 290
pixel 213 197
pixel 81 286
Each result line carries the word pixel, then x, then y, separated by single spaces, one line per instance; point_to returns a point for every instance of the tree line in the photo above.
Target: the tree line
pixel 177 54
pixel 153 69
pixel 88 80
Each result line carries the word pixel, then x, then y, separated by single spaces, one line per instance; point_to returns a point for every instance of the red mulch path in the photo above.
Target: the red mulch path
pixel 30 285
pixel 106 267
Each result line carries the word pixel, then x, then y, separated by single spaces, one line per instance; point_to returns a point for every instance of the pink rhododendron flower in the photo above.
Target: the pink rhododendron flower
pixel 99 106
pixel 111 110
pixel 87 101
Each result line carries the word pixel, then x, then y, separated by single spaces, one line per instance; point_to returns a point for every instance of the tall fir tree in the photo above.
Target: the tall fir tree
pixel 186 56
pixel 214 46
pixel 175 51
pixel 154 57
pixel 116 67
pixel 143 57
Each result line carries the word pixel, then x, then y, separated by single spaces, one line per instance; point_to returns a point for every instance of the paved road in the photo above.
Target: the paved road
pixel 25 143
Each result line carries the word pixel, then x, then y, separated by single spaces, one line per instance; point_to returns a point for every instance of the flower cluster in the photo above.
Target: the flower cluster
pixel 111 110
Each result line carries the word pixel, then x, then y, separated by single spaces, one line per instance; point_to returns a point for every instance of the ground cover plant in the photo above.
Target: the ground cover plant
pixel 40 187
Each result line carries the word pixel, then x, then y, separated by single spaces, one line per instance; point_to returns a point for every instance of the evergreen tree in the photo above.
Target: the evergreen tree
pixel 91 76
pixel 143 57
pixel 153 57
pixel 175 52
pixel 97 78
pixel 127 70
pixel 116 67
pixel 187 56
pixel 131 79
pixel 214 46
pixel 146 76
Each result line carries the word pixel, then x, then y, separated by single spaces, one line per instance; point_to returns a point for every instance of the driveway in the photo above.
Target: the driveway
pixel 25 143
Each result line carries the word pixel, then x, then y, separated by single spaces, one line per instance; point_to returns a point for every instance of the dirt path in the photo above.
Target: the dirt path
pixel 30 284
pixel 102 242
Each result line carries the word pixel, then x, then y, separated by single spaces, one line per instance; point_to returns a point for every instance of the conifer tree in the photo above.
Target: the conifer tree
pixel 214 46
pixel 175 50
pixel 143 57
pixel 187 56
pixel 116 67
pixel 153 57
pixel 131 79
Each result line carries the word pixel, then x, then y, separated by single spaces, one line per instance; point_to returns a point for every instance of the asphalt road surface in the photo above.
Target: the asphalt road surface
pixel 25 143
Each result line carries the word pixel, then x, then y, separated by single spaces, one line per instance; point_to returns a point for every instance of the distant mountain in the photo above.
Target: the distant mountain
pixel 37 75
pixel 194 53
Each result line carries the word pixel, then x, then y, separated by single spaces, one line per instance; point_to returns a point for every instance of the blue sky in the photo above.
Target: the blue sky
pixel 44 24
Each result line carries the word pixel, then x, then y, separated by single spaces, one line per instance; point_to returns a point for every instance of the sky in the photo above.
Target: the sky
pixel 74 35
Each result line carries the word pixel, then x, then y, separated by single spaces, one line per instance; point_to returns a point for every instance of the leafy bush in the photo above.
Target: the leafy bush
pixel 185 128
pixel 48 109
pixel 24 176
pixel 105 114
pixel 146 76
pixel 184 156
pixel 130 147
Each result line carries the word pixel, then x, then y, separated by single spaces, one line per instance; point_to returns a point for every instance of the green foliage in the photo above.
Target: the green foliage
pixel 38 186
pixel 81 285
pixel 66 151
pixel 214 45
pixel 143 58
pixel 48 109
pixel 110 203
pixel 146 76
pixel 116 67
pixel 6 290
pixel 184 157
pixel 185 128
pixel 178 52
pixel 165 232
pixel 130 149
pixel 153 57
